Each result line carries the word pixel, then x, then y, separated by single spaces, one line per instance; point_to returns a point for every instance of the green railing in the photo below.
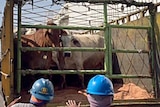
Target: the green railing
pixel 107 49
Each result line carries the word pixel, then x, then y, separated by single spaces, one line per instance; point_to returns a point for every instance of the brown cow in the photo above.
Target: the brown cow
pixel 41 38
pixel 36 59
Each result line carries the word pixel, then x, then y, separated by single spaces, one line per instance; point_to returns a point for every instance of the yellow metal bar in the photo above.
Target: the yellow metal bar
pixel 7 51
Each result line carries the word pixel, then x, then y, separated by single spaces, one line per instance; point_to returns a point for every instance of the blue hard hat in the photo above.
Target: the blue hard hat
pixel 100 85
pixel 43 89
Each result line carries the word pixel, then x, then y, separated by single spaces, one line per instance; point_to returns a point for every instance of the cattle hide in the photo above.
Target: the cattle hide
pixel 80 60
pixel 41 38
pixel 83 60
pixel 37 60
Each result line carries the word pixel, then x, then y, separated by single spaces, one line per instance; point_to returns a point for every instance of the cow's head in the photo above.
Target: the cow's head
pixel 56 34
pixel 69 41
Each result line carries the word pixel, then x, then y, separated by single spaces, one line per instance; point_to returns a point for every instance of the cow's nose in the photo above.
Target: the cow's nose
pixel 67 54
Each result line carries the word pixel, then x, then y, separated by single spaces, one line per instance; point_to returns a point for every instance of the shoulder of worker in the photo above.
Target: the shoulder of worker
pixel 23 105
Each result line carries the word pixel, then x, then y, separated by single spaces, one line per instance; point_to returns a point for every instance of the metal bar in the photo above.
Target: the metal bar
pixel 130 51
pixel 123 103
pixel 106 59
pixel 153 54
pixel 82 28
pixel 81 49
pixel 137 103
pixel 130 27
pixel 62 27
pixel 61 49
pixel 29 71
pixel 110 51
pixel 114 2
pixel 129 76
pixel 19 51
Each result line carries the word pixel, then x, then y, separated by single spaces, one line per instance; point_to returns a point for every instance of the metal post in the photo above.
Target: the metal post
pixel 107 46
pixel 19 51
pixel 105 38
pixel 153 49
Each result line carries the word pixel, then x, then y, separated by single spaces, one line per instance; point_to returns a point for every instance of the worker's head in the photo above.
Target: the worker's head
pixel 42 91
pixel 100 91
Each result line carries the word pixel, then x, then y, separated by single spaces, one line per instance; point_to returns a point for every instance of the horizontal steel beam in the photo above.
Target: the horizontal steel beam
pixel 62 49
pixel 30 71
pixel 128 2
pixel 62 27
pixel 131 27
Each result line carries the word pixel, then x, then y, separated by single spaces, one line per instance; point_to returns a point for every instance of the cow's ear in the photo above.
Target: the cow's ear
pixel 76 42
pixel 64 33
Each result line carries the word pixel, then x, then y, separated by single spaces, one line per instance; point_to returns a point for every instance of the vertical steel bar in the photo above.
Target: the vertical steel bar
pixel 107 41
pixel 110 51
pixel 18 50
pixel 105 38
pixel 153 49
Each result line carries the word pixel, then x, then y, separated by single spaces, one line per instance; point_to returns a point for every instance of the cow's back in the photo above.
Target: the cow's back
pixel 94 59
pixel 88 40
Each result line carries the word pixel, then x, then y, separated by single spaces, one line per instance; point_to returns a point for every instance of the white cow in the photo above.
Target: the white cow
pixel 80 60
pixel 83 60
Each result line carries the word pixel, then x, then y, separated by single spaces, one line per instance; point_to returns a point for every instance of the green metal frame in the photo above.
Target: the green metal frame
pixel 152 10
pixel 18 73
pixel 108 50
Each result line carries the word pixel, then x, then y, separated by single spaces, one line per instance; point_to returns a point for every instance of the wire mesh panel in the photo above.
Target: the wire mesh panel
pixel 133 63
pixel 81 14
